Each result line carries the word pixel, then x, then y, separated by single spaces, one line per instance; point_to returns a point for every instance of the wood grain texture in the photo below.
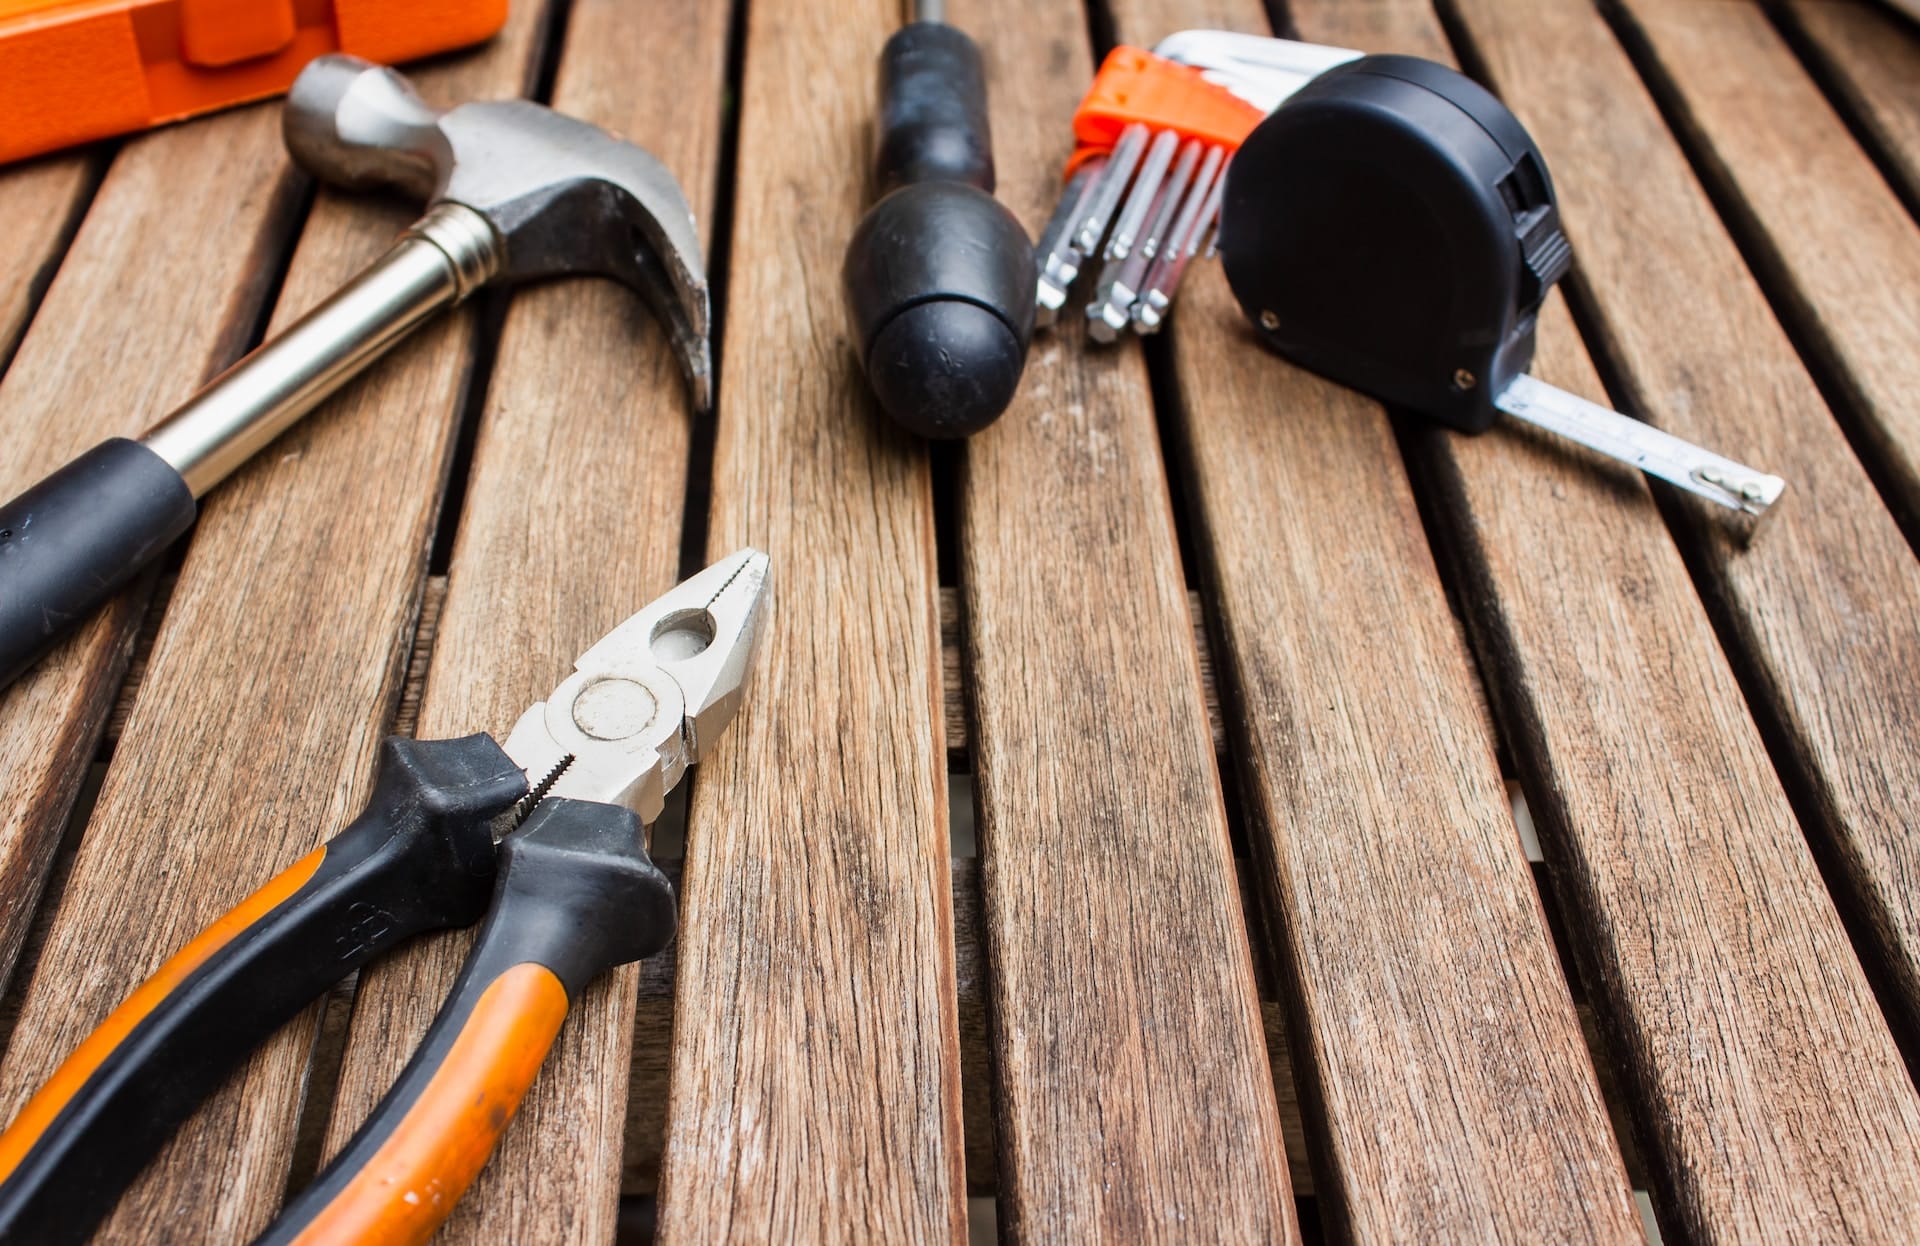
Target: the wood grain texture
pixel 952 675
pixel 1133 1099
pixel 816 1077
pixel 1775 1101
pixel 653 1021
pixel 1441 1055
pixel 953 698
pixel 1868 53
pixel 1850 256
pixel 572 523
pixel 42 201
pixel 273 673
pixel 1842 251
pixel 158 290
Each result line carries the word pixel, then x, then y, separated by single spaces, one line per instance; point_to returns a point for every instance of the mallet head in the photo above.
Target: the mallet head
pixel 561 195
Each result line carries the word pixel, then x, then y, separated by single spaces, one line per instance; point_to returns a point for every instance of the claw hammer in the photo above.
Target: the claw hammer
pixel 514 191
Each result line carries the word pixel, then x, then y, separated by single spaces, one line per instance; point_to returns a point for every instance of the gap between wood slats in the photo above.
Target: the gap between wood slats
pixel 1830 328
pixel 407 717
pixel 653 1026
pixel 583 438
pixel 404 584
pixel 407 713
pixel 1778 605
pixel 956 728
pixel 654 1020
pixel 192 330
pixel 47 199
pixel 700 443
pixel 1861 53
pixel 490 317
pixel 656 991
pixel 1442 684
pixel 1828 331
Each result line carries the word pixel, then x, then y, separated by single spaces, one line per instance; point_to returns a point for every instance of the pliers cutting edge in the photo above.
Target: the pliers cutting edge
pixel 544 837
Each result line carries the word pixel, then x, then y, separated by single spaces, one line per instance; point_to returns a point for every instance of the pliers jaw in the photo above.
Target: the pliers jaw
pixel 652 696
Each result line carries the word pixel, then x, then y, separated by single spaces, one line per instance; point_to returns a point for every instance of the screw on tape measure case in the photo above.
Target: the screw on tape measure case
pixel 76 70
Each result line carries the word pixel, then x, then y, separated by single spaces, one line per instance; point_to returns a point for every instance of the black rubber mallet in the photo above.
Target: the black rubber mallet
pixel 940 277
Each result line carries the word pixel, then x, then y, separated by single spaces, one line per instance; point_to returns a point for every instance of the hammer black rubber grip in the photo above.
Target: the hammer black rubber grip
pixel 68 543
pixel 933 109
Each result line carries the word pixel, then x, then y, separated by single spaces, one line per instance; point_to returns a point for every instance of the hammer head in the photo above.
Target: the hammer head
pixel 563 196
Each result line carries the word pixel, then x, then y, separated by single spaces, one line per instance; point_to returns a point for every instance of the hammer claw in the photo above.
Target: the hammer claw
pixel 561 196
pixel 678 297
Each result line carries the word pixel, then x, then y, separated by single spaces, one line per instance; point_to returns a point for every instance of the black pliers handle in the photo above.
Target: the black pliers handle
pixel 568 894
pixel 576 896
pixel 420 857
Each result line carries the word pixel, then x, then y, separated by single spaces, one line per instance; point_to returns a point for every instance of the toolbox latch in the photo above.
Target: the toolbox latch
pixel 221 32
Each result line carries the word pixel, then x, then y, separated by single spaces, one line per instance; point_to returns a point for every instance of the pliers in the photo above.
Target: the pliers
pixel 544 837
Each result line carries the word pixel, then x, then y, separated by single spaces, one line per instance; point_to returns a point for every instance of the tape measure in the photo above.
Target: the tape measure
pixel 1393 226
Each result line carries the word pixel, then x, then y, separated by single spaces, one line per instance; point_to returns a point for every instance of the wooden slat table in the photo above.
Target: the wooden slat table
pixel 1130 831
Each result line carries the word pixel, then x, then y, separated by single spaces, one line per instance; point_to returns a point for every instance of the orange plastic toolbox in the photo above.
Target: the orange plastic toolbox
pixel 73 70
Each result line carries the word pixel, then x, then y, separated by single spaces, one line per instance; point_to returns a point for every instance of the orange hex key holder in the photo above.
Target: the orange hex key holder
pixel 1136 87
pixel 550 825
pixel 1153 137
pixel 76 70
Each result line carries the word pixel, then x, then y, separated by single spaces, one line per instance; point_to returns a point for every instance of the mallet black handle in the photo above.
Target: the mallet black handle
pixel 933 110
pixel 940 277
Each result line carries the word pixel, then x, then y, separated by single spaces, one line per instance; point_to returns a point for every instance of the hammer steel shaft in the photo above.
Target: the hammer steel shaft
pixel 514 191
pixel 448 254
pixel 70 542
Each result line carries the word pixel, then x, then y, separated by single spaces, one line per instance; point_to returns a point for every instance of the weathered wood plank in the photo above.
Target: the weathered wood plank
pixel 572 523
pixel 1869 54
pixel 1851 256
pixel 653 1024
pixel 1776 1104
pixel 1133 1099
pixel 273 673
pixel 1441 1055
pixel 952 676
pixel 653 1041
pixel 816 1091
pixel 1842 251
pixel 159 289
pixel 41 201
